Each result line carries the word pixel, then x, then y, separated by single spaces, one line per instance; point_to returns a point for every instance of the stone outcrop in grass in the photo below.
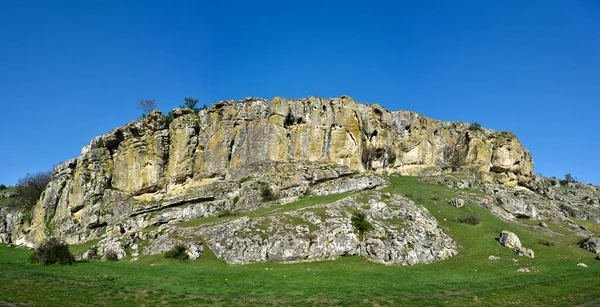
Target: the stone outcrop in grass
pixel 592 244
pixel 511 240
pixel 403 234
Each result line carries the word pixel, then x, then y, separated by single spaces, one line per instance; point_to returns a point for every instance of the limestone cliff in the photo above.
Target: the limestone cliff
pixel 221 159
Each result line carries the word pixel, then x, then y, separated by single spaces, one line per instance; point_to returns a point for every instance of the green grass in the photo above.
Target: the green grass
pixel 467 279
pixel 81 248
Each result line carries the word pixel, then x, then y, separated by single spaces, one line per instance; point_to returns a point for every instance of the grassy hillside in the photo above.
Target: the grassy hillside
pixel 6 201
pixel 467 279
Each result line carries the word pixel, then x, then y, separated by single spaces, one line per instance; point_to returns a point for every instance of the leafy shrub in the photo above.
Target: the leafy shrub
pixel 267 194
pixel 475 126
pixel 26 216
pixel 546 242
pixel 51 251
pixel 29 189
pixel 111 255
pixel 2 187
pixel 177 252
pixel 468 219
pixel 360 223
pixel 169 118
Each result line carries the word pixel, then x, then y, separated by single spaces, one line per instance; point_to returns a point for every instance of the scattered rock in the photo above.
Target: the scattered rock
pixel 522 251
pixel 492 257
pixel 543 224
pixel 583 265
pixel 592 244
pixel 133 259
pixel 524 270
pixel 457 202
pixel 89 254
pixel 509 239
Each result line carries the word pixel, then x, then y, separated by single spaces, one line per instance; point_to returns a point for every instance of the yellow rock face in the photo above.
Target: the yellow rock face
pixel 230 138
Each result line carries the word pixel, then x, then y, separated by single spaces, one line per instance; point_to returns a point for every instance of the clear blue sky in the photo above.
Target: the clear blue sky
pixel 71 70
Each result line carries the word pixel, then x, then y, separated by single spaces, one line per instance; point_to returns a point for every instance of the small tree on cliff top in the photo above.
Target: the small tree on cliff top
pixel 146 106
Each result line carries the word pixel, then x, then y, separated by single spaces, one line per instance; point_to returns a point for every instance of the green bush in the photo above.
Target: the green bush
pixel 26 216
pixel 475 126
pixel 177 252
pixel 469 219
pixel 2 187
pixel 51 251
pixel 360 223
pixel 267 194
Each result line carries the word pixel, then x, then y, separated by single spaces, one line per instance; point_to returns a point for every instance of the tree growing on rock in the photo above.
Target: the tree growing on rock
pixel 360 223
pixel 190 102
pixel 568 179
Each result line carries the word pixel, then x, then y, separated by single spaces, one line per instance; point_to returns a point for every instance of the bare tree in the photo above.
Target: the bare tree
pixel 146 105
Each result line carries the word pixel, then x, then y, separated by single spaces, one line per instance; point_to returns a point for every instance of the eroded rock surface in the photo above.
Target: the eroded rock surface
pixel 403 234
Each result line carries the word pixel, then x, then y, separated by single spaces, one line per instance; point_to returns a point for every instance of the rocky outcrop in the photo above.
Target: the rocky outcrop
pixel 149 163
pixel 10 220
pixel 241 156
pixel 592 244
pixel 403 234
pixel 546 199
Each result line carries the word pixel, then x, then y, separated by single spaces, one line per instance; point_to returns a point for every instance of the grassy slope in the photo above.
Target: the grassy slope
pixel 6 201
pixel 469 278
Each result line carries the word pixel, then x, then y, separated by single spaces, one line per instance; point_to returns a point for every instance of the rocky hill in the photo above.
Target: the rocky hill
pixel 133 187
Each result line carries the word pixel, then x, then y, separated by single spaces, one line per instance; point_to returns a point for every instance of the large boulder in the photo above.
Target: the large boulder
pixel 592 244
pixel 509 239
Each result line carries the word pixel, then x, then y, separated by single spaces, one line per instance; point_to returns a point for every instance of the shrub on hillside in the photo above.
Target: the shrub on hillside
pixel 267 194
pixel 2 187
pixel 360 223
pixel 177 252
pixel 468 219
pixel 475 126
pixel 51 251
pixel 111 255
